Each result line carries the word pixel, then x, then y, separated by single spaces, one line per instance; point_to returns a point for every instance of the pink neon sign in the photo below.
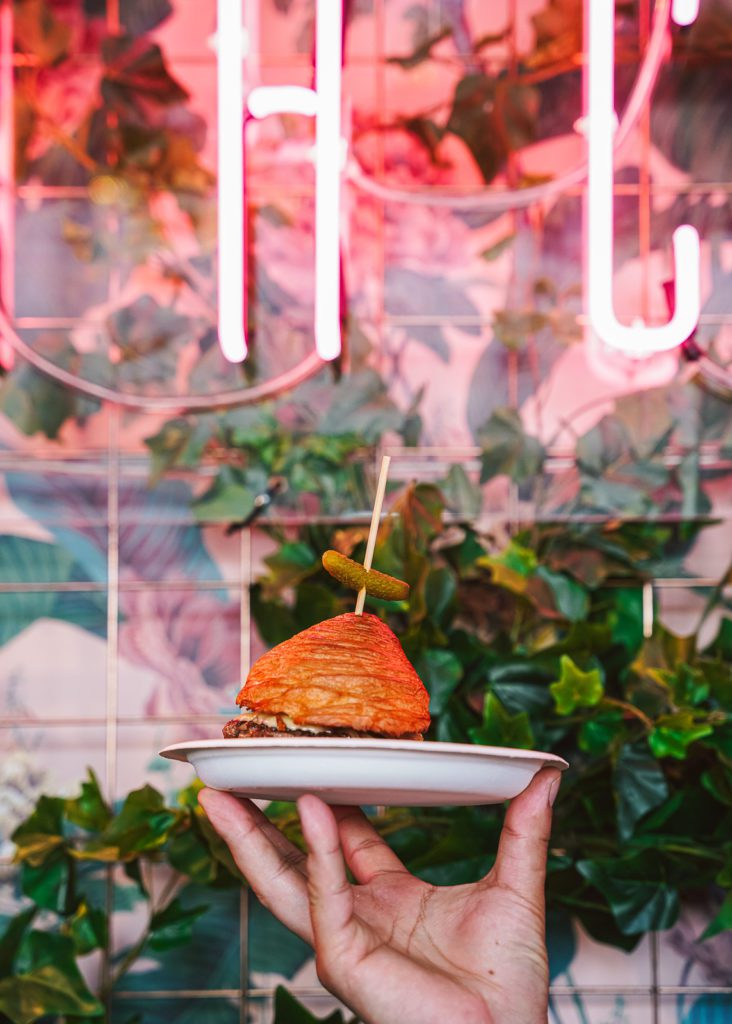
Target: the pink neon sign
pixel 637 339
pixel 324 104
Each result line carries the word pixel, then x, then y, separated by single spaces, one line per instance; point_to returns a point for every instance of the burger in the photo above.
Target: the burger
pixel 347 676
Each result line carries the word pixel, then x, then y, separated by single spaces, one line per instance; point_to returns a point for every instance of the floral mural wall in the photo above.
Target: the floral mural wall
pixel 129 606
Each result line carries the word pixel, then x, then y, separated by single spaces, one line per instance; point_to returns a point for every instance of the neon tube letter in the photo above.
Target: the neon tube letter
pixel 323 103
pixel 232 247
pixel 638 339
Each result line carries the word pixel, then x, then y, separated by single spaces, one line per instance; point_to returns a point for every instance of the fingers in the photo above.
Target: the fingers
pixel 270 863
pixel 522 850
pixel 366 853
pixel 331 896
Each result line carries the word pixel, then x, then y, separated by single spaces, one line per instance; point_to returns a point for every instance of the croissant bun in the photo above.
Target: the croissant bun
pixel 346 672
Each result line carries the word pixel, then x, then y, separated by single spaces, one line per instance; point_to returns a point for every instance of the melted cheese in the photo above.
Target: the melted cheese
pixel 277 721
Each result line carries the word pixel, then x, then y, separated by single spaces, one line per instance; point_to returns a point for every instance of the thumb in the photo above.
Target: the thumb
pixel 331 896
pixel 522 850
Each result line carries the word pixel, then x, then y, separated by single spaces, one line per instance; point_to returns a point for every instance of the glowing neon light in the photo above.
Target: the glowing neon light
pixel 684 12
pixel 231 214
pixel 282 99
pixel 637 339
pixel 7 160
pixel 323 103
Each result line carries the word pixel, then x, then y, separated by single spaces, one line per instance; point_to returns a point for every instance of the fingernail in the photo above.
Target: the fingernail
pixel 553 790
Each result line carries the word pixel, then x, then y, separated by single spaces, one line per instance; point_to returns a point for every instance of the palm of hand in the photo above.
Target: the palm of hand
pixel 395 949
pixel 470 948
pixel 474 940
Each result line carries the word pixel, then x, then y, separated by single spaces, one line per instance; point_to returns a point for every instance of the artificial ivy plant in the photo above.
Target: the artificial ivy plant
pixel 533 641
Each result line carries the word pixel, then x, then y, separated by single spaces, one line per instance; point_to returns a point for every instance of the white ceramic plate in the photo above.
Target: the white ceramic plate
pixel 368 771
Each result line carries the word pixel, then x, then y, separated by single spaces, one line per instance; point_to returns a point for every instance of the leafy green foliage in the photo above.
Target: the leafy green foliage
pixel 35 402
pixel 63 849
pixel 316 443
pixel 173 925
pixel 722 920
pixel 672 734
pixel 575 688
pixel 639 898
pixel 287 1010
pixel 502 729
pixel 48 981
pixel 509 638
pixel 640 786
pixel 538 642
pixel 507 449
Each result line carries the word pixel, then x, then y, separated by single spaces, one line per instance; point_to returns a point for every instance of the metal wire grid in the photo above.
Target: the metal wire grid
pixel 250 998
pixel 245 995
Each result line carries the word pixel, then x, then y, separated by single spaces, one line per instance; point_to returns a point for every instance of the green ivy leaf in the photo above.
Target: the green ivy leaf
pixel 507 449
pixel 229 499
pixel 673 734
pixel 219 851
pixel 513 568
pixel 315 602
pixel 462 494
pixel 292 563
pixel 360 404
pixel 52 985
pixel 190 855
pixel 441 672
pixel 640 786
pixel 626 617
pixel 500 729
pixel 143 823
pixel 721 646
pixel 576 688
pixel 598 734
pixel 275 620
pixel 173 926
pixel 517 558
pixel 89 810
pixel 287 1010
pixel 422 52
pixel 721 739
pixel 45 883
pixel 88 929
pixel 492 122
pixel 638 901
pixel 179 442
pixel 12 938
pixel 34 402
pixel 570 597
pixel 41 834
pixel 718 781
pixel 439 594
pixel 721 922
pixel 689 686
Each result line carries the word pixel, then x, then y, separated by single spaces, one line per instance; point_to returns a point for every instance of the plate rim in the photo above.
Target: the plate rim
pixel 179 751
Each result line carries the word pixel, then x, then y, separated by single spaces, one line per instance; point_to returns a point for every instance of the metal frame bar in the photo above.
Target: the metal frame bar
pixel 113 468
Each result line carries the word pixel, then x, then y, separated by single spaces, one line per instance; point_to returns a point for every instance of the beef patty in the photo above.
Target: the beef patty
pixel 239 728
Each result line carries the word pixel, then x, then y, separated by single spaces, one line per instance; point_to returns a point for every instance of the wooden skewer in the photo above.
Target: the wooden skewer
pixel 374 529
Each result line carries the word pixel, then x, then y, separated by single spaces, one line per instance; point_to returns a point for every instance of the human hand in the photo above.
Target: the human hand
pixel 393 948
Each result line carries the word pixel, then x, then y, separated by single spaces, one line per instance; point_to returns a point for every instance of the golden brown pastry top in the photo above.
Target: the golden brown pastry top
pixel 349 671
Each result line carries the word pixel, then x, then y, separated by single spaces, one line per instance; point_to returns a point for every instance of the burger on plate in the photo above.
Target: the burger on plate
pixel 347 676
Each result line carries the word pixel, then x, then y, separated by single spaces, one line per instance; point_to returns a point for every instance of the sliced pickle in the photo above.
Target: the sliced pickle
pixel 353 574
